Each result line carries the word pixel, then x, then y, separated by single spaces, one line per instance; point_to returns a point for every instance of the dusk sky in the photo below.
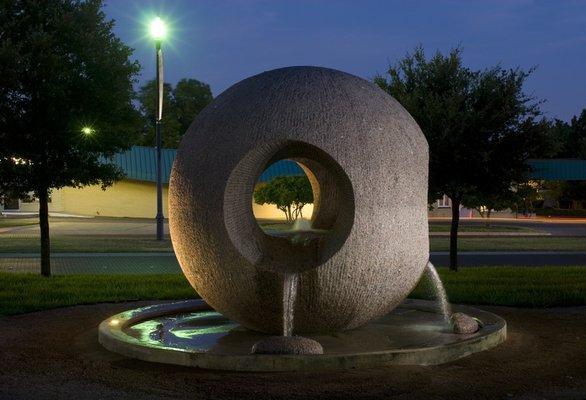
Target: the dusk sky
pixel 222 42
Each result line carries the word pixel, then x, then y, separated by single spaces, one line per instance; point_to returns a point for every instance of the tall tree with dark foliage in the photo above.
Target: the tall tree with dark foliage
pixel 480 125
pixel 65 100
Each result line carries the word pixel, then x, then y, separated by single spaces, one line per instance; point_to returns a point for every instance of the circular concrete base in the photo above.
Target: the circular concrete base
pixel 190 333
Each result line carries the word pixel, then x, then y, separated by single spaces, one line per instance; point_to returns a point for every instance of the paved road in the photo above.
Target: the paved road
pixel 557 227
pixel 525 258
pixel 166 263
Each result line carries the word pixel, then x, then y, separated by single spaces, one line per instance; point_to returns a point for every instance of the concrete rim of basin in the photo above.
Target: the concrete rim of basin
pixel 113 337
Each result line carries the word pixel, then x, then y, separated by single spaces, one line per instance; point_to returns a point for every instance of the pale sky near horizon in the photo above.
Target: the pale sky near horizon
pixel 221 42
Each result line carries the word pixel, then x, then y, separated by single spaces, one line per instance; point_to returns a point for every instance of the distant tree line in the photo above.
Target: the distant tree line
pixel 181 104
pixel 569 141
pixel 562 140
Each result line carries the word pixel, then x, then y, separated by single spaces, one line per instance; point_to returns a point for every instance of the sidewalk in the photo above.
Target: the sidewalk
pixel 490 234
pixel 522 220
pixel 166 263
pixel 91 226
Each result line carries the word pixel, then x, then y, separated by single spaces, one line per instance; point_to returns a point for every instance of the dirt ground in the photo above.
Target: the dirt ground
pixel 55 354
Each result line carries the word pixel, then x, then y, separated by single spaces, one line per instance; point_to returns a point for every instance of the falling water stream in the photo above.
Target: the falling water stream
pixel 290 281
pixel 440 292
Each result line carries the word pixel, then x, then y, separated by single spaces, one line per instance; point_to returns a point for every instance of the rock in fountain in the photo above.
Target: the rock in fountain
pixel 287 345
pixel 464 324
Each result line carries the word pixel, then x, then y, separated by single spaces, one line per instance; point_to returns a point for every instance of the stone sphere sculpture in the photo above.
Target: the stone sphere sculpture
pixel 367 161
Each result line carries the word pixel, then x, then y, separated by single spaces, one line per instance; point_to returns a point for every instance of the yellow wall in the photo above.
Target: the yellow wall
pixel 29 207
pixel 267 211
pixel 135 199
pixel 33 206
pixel 132 199
pixel 126 198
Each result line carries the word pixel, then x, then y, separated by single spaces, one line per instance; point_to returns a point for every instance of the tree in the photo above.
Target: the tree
pixel 525 195
pixel 569 142
pixel 61 69
pixel 180 106
pixel 574 192
pixel 169 126
pixel 480 126
pixel 567 194
pixel 570 138
pixel 289 193
pixel 519 197
pixel 560 132
pixel 486 204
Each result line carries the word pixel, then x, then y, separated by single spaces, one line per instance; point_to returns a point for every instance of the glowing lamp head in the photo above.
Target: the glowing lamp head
pixel 87 130
pixel 158 29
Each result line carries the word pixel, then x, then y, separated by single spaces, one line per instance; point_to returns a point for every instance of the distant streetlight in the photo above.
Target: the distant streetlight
pixel 87 130
pixel 158 31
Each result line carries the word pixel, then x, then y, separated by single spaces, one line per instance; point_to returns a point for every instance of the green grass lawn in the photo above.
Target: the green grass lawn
pixel 512 286
pixel 21 293
pixel 12 222
pixel 85 244
pixel 506 286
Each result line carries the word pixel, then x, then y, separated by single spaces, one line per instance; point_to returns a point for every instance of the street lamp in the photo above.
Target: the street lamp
pixel 158 30
pixel 87 130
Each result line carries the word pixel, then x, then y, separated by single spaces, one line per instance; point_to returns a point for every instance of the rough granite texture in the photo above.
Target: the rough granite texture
pixel 367 161
pixel 464 324
pixel 287 345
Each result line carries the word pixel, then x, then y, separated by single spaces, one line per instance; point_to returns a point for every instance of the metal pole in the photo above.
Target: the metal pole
pixel 158 117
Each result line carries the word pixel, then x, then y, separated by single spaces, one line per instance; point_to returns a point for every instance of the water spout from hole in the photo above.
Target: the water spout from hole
pixel 290 283
pixel 439 291
pixel 301 224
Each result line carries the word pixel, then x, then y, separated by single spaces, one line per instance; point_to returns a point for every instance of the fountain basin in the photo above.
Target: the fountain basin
pixel 190 333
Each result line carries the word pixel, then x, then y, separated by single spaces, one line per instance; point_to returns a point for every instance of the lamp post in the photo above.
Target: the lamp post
pixel 158 31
